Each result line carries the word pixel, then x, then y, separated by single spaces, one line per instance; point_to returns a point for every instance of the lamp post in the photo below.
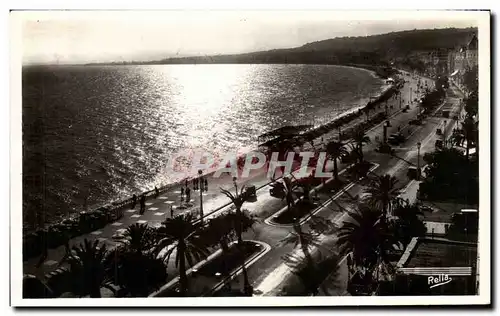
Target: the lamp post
pixel 418 160
pixel 200 172
pixel 235 185
pixel 384 135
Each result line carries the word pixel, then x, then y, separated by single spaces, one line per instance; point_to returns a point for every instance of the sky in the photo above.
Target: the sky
pixel 104 36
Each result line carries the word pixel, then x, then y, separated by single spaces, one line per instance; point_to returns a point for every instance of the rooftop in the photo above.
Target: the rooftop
pixel 434 253
pixel 442 212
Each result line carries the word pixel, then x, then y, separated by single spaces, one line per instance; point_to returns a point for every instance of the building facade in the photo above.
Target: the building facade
pixel 461 59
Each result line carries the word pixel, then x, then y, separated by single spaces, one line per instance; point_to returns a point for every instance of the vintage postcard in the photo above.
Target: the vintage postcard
pixel 244 158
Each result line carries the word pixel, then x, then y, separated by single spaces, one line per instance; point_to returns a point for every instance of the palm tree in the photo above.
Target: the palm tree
pixel 468 133
pixel 382 193
pixel 303 239
pixel 335 150
pixel 89 265
pixel 139 237
pixel 238 200
pixel 408 224
pixel 286 187
pixel 138 269
pixel 220 231
pixel 179 234
pixel 367 236
pixel 360 138
pixel 283 148
pixel 139 273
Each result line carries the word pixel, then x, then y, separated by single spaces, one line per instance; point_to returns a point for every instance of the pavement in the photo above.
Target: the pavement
pixel 158 209
pixel 270 275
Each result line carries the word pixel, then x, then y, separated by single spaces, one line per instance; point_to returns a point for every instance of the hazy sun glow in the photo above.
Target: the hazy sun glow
pixel 76 37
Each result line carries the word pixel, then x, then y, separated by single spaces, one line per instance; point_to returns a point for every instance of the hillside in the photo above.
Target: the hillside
pixel 371 50
pixel 398 43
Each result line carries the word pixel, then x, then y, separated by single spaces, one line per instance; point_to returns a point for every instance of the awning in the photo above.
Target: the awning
pixel 454 73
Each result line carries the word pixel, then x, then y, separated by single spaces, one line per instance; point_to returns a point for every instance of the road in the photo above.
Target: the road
pixel 269 275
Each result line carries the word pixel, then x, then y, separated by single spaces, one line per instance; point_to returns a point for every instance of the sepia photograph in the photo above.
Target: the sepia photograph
pixel 250 158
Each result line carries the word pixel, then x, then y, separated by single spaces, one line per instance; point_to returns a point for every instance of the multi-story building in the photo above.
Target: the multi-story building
pixel 471 53
pixel 462 59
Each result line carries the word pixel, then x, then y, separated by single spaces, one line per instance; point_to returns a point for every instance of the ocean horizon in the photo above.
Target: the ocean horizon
pixel 95 134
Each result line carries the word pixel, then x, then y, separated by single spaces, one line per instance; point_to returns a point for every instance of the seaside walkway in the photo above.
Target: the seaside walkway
pixel 158 209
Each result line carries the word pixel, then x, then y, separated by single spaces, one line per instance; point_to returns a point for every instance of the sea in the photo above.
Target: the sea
pixel 95 134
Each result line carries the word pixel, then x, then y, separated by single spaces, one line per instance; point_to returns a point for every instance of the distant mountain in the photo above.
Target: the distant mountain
pixel 371 50
pixel 396 42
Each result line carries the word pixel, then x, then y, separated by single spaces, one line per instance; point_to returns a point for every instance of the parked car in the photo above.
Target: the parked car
pixel 250 191
pixel 397 138
pixel 385 148
pixel 393 140
pixel 412 173
pixel 277 190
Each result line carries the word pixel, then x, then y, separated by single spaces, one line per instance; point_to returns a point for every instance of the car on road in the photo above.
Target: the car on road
pixel 385 148
pixel 412 173
pixel 392 140
pixel 439 131
pixel 396 139
pixel 277 189
pixel 250 191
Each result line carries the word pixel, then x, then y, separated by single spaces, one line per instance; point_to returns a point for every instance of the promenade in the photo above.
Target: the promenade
pixel 160 208
pixel 270 275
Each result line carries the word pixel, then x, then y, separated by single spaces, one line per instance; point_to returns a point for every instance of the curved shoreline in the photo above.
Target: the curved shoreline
pixel 118 205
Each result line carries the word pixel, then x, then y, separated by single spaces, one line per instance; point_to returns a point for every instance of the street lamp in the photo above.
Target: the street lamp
pixel 200 173
pixel 235 185
pixel 386 125
pixel 418 160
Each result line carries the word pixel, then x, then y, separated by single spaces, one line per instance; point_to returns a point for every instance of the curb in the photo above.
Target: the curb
pixel 249 262
pixel 269 221
pixel 175 280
